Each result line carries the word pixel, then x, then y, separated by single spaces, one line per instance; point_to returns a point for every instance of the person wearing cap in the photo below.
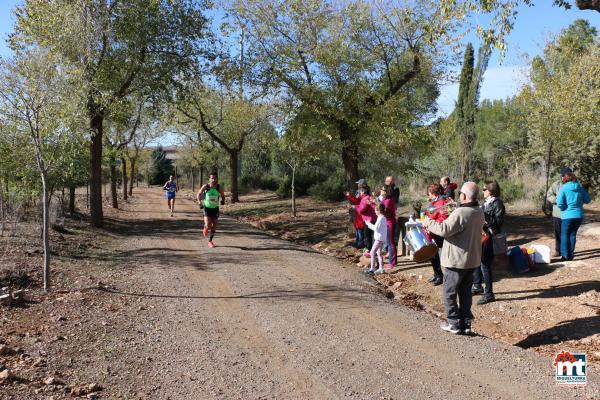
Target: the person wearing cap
pixel 357 221
pixel 570 200
pixel 556 217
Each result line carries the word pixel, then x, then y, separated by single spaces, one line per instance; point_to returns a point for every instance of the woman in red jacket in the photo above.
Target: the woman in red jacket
pixel 357 222
pixel 437 199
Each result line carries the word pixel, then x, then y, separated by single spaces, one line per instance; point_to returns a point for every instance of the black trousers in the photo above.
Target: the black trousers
pixel 557 224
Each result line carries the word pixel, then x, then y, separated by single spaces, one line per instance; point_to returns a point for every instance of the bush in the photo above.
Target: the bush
pixel 263 182
pixel 302 183
pixel 332 189
pixel 512 190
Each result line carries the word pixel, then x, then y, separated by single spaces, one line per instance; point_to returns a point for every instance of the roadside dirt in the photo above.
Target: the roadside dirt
pixel 554 307
pixel 145 310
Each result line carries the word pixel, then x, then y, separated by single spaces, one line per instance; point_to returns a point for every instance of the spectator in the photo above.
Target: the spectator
pixel 389 181
pixel 391 223
pixel 434 193
pixel 357 222
pixel 570 200
pixel 493 210
pixel 367 213
pixel 380 232
pixel 461 254
pixel 448 188
pixel 551 198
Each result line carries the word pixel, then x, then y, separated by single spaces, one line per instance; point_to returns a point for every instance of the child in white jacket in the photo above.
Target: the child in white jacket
pixel 379 238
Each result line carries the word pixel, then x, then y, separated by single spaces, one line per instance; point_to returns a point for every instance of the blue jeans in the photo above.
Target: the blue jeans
pixel 390 243
pixel 484 271
pixel 360 238
pixel 568 236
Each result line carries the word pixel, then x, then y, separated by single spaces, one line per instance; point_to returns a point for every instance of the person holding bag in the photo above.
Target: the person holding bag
pixel 494 211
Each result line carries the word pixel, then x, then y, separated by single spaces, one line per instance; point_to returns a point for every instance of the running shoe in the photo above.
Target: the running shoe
pixel 205 231
pixel 379 271
pixel 211 245
pixel 367 254
pixel 389 266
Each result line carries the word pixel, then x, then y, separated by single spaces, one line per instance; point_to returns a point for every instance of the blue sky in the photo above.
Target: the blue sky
pixel 532 28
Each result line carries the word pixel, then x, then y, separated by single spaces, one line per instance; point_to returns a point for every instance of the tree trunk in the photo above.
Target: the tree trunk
pixel 201 175
pixel 548 162
pixel 193 180
pixel 45 232
pixel 350 161
pixel 2 209
pixel 233 164
pixel 294 191
pixel 124 177
pixel 72 200
pixel 96 213
pixel 113 183
pixel 132 176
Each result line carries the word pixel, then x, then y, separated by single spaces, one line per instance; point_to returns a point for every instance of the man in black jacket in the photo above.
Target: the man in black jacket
pixel 493 209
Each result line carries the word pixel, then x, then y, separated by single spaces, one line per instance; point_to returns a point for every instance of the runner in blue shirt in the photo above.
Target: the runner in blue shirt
pixel 171 188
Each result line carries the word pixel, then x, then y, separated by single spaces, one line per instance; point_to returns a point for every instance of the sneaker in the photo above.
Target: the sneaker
pixel 367 254
pixel 379 271
pixel 477 290
pixel 370 272
pixel 389 266
pixel 486 299
pixel 467 328
pixel 448 327
pixel 205 231
pixel 211 245
pixel 432 279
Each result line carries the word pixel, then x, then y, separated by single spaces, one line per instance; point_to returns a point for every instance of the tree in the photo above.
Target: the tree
pixel 123 126
pixel 162 167
pixel 467 104
pixel 357 65
pixel 121 47
pixel 562 98
pixel 41 105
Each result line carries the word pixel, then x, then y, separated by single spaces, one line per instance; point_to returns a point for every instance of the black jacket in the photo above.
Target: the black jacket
pixel 494 216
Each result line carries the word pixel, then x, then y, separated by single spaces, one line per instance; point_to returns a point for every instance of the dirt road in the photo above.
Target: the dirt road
pixel 261 318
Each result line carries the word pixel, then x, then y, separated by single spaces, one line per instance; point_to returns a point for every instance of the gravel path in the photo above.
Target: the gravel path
pixel 261 318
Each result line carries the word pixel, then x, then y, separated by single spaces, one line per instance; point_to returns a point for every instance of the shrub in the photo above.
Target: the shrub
pixel 512 190
pixel 332 189
pixel 302 182
pixel 263 182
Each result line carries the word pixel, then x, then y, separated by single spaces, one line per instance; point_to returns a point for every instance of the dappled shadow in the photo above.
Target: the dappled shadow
pixel 524 229
pixel 566 290
pixel 325 292
pixel 574 329
pixel 589 254
pixel 279 248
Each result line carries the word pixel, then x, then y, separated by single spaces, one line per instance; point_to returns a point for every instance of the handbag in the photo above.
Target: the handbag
pixel 499 241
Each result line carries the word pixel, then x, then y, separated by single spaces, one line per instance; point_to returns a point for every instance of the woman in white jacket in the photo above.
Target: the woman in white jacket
pixel 379 238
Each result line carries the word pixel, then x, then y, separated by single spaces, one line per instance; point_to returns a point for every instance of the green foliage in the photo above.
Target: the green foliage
pixel 512 190
pixel 331 189
pixel 303 181
pixel 262 181
pixel 161 167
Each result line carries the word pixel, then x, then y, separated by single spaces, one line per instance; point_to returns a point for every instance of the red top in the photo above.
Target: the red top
pixel 441 214
pixel 390 211
pixel 365 209
pixel 358 223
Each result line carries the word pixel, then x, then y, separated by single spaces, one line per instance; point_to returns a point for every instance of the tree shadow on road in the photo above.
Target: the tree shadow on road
pixel 574 329
pixel 558 291
pixel 326 292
